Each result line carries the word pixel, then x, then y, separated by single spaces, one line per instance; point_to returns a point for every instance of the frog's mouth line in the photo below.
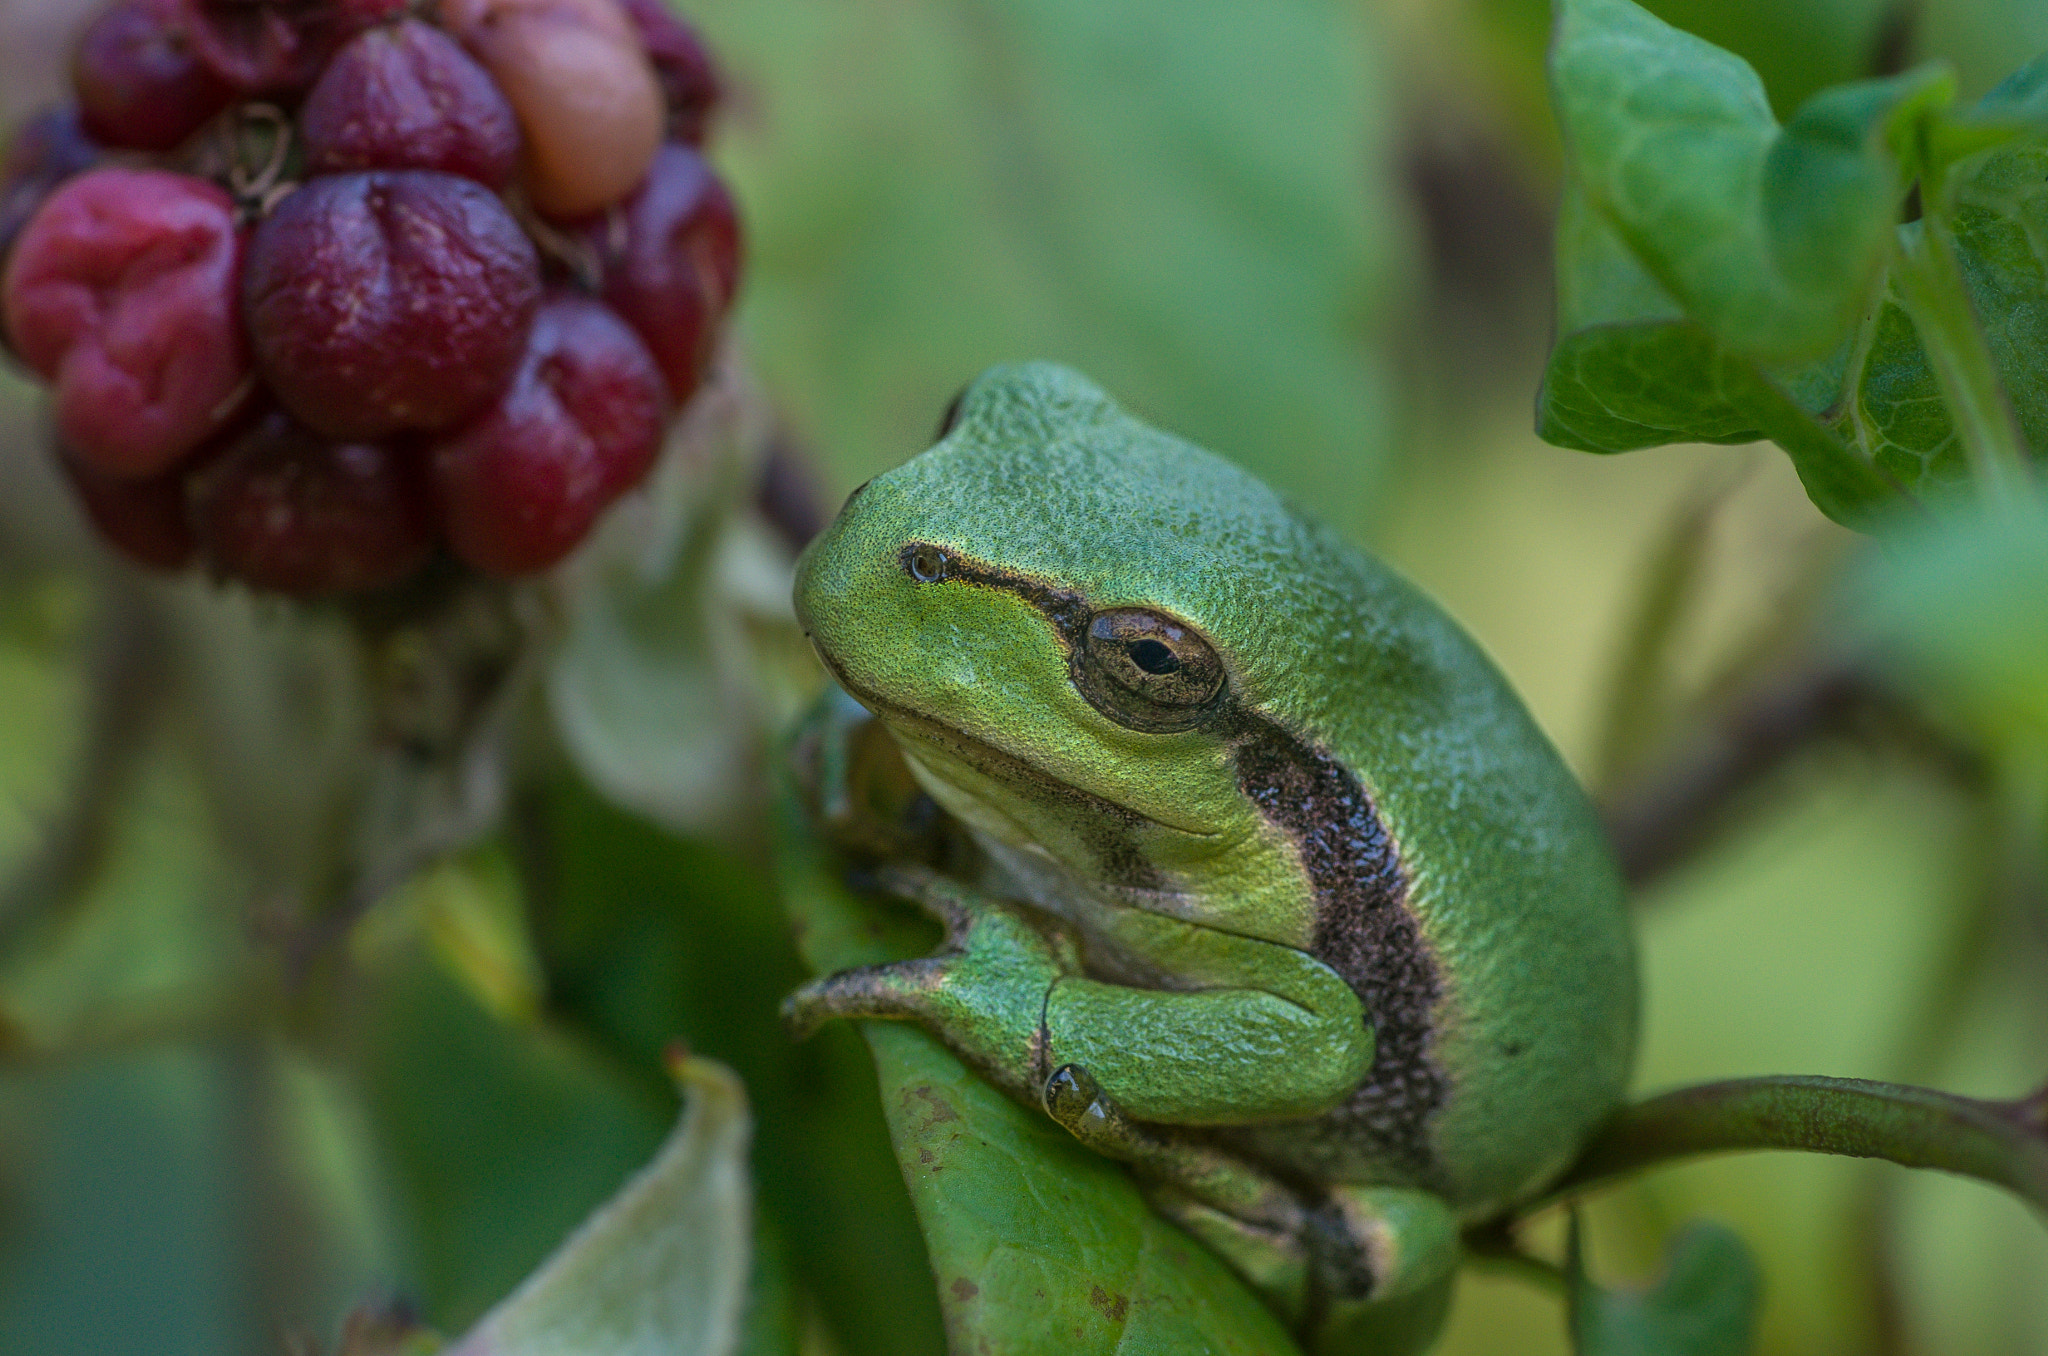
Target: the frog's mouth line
pixel 979 754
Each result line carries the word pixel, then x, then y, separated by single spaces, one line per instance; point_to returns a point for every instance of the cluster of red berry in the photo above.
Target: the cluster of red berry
pixel 324 284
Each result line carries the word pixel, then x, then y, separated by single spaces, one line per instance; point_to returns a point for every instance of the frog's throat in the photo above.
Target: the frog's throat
pixel 946 744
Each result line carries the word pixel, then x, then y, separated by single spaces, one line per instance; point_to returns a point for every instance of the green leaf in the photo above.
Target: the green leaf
pixel 1704 1304
pixel 1630 370
pixel 648 936
pixel 1773 239
pixel 499 1138
pixel 2000 226
pixel 661 1268
pixel 1713 267
pixel 1175 196
pixel 1037 1243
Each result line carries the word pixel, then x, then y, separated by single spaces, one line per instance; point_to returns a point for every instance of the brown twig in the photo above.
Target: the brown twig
pixel 1669 815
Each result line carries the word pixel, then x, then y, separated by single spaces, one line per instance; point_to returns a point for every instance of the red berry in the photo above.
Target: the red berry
pixel 409 97
pixel 121 290
pixel 276 47
pixel 389 300
pixel 579 426
pixel 671 261
pixel 286 510
pixel 139 85
pixel 682 65
pixel 143 519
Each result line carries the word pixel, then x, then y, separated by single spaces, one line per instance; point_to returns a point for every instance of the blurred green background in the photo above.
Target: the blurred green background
pixel 1310 235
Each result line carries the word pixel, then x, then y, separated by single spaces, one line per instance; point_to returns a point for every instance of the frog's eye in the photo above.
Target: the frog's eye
pixel 1146 671
pixel 927 564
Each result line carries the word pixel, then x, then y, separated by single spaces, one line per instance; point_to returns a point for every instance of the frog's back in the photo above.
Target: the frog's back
pixel 1471 900
pixel 1463 883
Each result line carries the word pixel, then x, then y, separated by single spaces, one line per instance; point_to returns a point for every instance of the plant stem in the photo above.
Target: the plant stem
pixel 2004 1143
pixel 1931 286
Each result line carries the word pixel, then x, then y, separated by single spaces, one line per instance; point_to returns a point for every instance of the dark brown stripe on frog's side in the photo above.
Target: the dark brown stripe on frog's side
pixel 1364 931
pixel 1364 928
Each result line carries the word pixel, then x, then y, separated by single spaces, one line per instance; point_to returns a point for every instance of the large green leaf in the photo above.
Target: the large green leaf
pixel 1630 369
pixel 1704 1304
pixel 1036 1243
pixel 1173 195
pixel 1721 279
pixel 1772 238
pixel 1713 266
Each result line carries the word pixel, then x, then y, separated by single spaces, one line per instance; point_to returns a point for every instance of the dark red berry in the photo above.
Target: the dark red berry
pixel 409 97
pixel 48 149
pixel 287 510
pixel 578 427
pixel 275 47
pixel 671 259
pixel 121 291
pixel 139 84
pixel 144 519
pixel 396 299
pixel 682 66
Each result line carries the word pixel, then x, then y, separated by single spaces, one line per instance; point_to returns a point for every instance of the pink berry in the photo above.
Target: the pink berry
pixel 395 299
pixel 287 510
pixel 409 97
pixel 671 261
pixel 578 78
pixel 139 85
pixel 579 426
pixel 121 291
pixel 682 65
pixel 144 519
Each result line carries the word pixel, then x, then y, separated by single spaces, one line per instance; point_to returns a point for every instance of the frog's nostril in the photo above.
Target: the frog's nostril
pixel 854 493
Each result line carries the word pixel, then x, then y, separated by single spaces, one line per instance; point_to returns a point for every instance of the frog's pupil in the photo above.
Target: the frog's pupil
pixel 1153 657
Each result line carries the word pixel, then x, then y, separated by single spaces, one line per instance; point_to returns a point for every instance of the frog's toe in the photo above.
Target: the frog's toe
pixel 1073 1098
pixel 901 990
pixel 946 901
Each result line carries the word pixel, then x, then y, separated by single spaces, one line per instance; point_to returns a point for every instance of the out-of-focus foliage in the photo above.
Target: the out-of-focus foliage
pixel 1172 197
pixel 1704 1303
pixel 1961 610
pixel 1219 212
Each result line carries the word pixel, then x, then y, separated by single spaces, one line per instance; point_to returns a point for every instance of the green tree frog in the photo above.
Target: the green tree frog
pixel 1278 895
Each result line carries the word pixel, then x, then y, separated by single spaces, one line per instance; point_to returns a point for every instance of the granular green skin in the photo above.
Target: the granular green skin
pixel 1352 913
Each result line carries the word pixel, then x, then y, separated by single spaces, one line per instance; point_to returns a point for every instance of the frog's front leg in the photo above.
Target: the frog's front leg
pixel 1124 1069
pixel 983 991
pixel 1272 1033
